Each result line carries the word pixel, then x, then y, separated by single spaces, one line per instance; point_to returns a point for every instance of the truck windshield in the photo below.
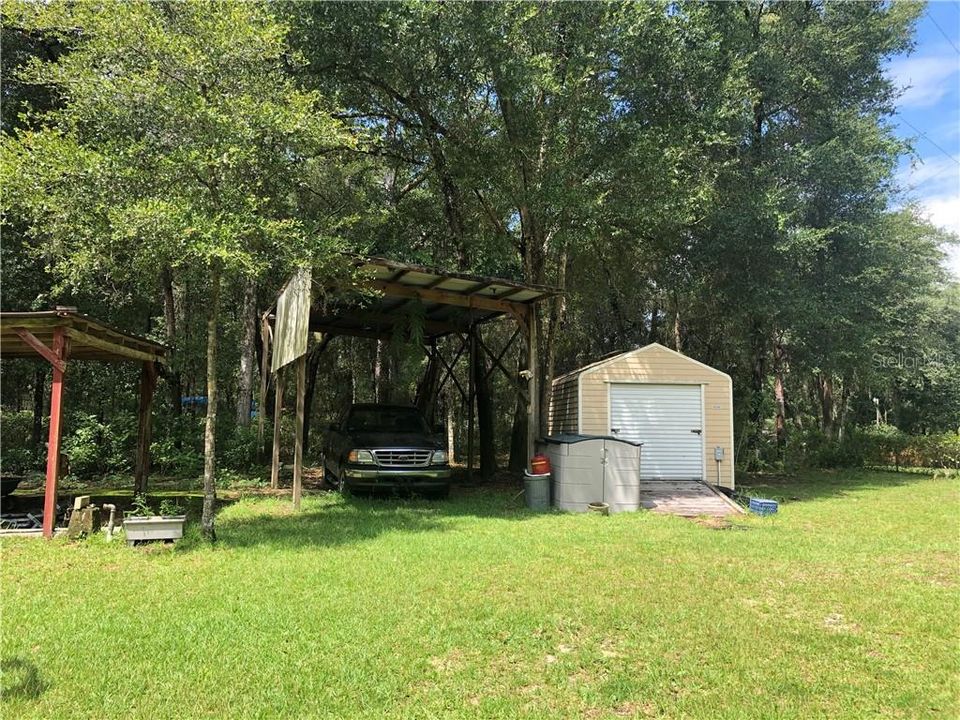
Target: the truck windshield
pixel 386 420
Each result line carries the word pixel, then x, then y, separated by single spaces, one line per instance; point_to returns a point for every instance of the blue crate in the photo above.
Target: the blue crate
pixel 762 506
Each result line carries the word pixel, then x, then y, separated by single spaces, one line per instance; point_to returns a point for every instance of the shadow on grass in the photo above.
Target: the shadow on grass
pixel 21 679
pixel 329 520
pixel 823 484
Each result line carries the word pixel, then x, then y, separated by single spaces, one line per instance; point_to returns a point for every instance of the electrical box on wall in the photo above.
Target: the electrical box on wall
pixel 718 453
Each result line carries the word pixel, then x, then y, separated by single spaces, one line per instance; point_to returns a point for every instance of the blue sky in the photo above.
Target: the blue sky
pixel 928 114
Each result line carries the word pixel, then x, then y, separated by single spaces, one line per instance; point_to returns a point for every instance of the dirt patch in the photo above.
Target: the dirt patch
pixel 718 523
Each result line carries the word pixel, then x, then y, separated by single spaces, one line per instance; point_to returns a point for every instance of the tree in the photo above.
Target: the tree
pixel 179 144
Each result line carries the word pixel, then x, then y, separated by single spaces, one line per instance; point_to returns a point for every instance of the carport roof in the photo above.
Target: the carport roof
pixel 387 293
pixel 90 339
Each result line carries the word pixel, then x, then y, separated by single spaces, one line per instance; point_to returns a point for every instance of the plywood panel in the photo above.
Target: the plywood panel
pixel 293 320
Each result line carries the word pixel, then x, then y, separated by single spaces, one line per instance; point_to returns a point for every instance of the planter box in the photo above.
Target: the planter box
pixel 155 527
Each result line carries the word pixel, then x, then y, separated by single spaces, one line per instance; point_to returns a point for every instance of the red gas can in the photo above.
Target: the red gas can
pixel 540 464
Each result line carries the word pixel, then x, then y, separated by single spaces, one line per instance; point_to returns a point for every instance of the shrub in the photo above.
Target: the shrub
pixel 884 444
pixel 814 449
pixel 934 451
pixel 241 448
pixel 168 459
pixel 93 447
pixel 18 456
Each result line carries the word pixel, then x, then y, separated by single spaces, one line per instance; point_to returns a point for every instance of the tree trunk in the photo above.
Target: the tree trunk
pixel 779 394
pixel 481 383
pixel 248 353
pixel 39 380
pixel 377 371
pixel 172 376
pixel 557 319
pixel 451 425
pixel 654 333
pixel 518 434
pixel 825 395
pixel 677 338
pixel 757 380
pixel 210 431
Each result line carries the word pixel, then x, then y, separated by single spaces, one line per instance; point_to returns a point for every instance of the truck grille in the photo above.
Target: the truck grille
pixel 402 458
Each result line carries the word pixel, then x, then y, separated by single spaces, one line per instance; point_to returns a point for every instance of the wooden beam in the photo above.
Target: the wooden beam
pixel 450 374
pixel 61 350
pixel 148 383
pixel 446 297
pixel 436 281
pixel 498 358
pixel 49 355
pixel 477 287
pixel 332 330
pixel 298 443
pixel 277 410
pixel 82 338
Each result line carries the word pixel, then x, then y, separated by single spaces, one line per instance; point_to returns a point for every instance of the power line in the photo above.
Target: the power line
pixel 945 36
pixel 927 138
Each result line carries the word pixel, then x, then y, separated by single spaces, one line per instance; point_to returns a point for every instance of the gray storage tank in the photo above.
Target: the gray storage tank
pixel 594 468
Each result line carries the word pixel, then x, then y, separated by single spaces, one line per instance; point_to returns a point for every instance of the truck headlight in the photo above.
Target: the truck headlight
pixel 361 457
pixel 439 457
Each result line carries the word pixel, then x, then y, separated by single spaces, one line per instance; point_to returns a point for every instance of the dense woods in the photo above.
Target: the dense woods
pixel 715 177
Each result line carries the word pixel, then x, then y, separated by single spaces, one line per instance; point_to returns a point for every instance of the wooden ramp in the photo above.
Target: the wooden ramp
pixel 688 498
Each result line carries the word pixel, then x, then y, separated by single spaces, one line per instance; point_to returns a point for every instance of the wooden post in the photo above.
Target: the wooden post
pixel 298 444
pixel 533 395
pixel 148 383
pixel 264 373
pixel 61 351
pixel 277 409
pixel 471 392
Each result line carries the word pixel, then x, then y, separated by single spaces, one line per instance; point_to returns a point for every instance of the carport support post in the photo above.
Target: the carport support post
pixel 61 350
pixel 533 396
pixel 148 383
pixel 471 394
pixel 277 409
pixel 298 444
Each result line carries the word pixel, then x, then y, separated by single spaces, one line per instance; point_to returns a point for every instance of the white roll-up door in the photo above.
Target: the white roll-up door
pixel 668 420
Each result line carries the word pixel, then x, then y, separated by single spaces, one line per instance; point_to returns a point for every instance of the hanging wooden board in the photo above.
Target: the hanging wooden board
pixel 293 320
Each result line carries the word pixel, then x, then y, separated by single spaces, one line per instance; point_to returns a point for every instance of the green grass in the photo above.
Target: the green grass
pixel 845 604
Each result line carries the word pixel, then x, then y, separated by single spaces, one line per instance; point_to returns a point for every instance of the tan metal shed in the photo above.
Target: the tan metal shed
pixel 679 408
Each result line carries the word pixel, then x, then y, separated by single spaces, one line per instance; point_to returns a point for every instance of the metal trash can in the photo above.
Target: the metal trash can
pixel 536 490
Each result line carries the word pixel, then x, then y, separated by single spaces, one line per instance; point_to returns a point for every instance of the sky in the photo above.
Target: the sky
pixel 928 114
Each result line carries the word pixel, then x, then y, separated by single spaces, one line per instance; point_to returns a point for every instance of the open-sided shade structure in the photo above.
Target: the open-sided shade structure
pixel 383 297
pixel 60 336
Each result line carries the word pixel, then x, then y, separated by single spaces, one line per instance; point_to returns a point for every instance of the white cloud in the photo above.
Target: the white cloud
pixel 925 80
pixel 944 211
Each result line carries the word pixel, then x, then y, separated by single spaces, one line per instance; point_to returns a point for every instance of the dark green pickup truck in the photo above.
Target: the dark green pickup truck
pixel 381 447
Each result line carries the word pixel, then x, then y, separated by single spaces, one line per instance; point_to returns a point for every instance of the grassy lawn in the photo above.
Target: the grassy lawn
pixel 845 604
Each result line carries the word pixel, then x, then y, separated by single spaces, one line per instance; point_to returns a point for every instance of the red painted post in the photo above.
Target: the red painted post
pixel 53 443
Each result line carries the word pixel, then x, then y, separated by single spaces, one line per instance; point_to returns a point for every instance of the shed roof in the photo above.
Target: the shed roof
pixel 608 359
pixel 448 302
pixel 90 339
